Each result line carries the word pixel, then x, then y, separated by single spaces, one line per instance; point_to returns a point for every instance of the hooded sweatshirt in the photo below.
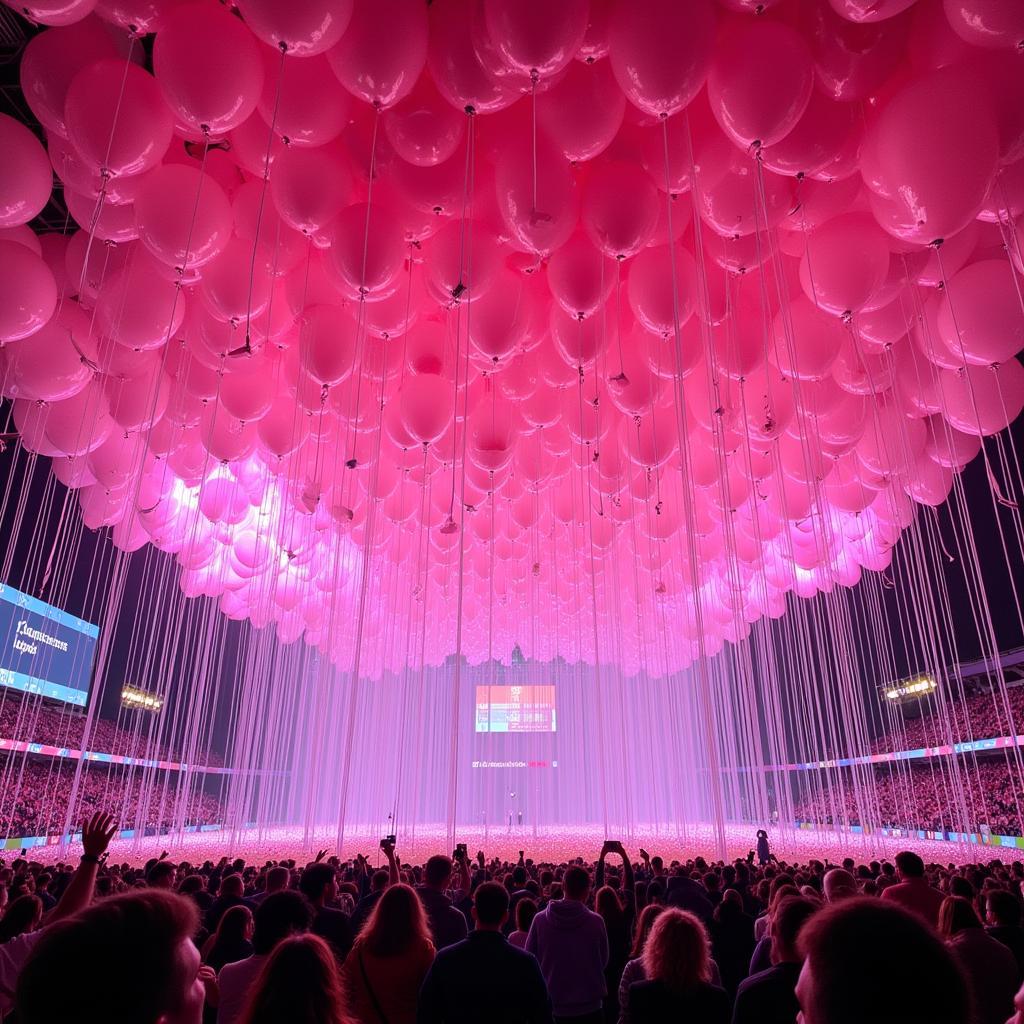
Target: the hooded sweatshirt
pixel 571 944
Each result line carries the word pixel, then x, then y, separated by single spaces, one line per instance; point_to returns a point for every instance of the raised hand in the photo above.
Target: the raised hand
pixel 320 856
pixel 97 833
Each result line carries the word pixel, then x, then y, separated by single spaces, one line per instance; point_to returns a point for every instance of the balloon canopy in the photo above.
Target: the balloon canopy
pixel 594 330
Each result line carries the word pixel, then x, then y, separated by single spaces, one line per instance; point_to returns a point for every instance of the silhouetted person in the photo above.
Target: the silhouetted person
pixel 571 944
pixel 867 961
pixel 989 967
pixel 770 996
pixel 447 923
pixel 319 884
pixel 484 977
pixel 913 892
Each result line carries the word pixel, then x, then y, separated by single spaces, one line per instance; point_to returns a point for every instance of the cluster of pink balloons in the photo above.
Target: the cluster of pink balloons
pixel 545 323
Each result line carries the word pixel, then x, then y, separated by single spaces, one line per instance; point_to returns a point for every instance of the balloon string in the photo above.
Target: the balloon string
pixel 263 198
pixel 105 170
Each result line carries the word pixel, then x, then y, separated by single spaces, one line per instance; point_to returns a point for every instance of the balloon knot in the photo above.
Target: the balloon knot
pixel 351 463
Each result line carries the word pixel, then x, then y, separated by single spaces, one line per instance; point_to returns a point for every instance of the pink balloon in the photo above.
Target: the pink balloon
pixel 285 100
pixel 535 39
pixel 209 67
pixel 989 23
pixel 139 17
pixel 844 263
pixel 583 111
pixel 577 341
pixel 660 52
pixel 117 118
pixel 660 300
pixel 247 386
pixel 818 140
pixel 25 175
pixel 51 366
pixel 328 344
pixel 631 385
pixel 224 437
pixel 230 289
pixel 383 51
pixel 760 81
pixel 580 277
pixel 136 403
pixel 81 423
pixel 28 292
pixel 183 217
pixel 367 250
pixel 455 67
pixel 138 308
pixel 51 60
pixel 869 10
pixel 499 321
pixel 852 60
pixel 980 314
pixel 543 225
pixel 620 209
pixel 806 341
pixel 302 28
pixel 310 187
pixel 283 429
pixel 949 447
pixel 427 403
pixel 463 260
pixel 729 194
pixel 53 12
pixel 946 113
pixel 983 400
pixel 423 128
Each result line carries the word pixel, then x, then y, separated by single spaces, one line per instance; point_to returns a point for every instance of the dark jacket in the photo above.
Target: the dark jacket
pixel 483 978
pixel 650 1002
pixel 334 927
pixel 768 997
pixel 689 894
pixel 447 923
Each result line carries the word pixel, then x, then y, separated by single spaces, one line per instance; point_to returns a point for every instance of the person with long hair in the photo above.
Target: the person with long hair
pixel 390 958
pixel 526 911
pixel 608 905
pixel 634 969
pixel 677 962
pixel 299 984
pixel 988 966
pixel 232 941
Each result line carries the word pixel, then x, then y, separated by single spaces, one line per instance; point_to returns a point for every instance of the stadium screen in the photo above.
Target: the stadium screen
pixel 44 650
pixel 515 709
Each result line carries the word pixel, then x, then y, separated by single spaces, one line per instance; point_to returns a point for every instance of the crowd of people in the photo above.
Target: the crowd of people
pixel 39 721
pixel 619 940
pixel 36 793
pixel 924 795
pixel 979 717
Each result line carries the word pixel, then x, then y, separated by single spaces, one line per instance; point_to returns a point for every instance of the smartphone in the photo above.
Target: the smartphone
pixel 390 840
pixel 460 851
